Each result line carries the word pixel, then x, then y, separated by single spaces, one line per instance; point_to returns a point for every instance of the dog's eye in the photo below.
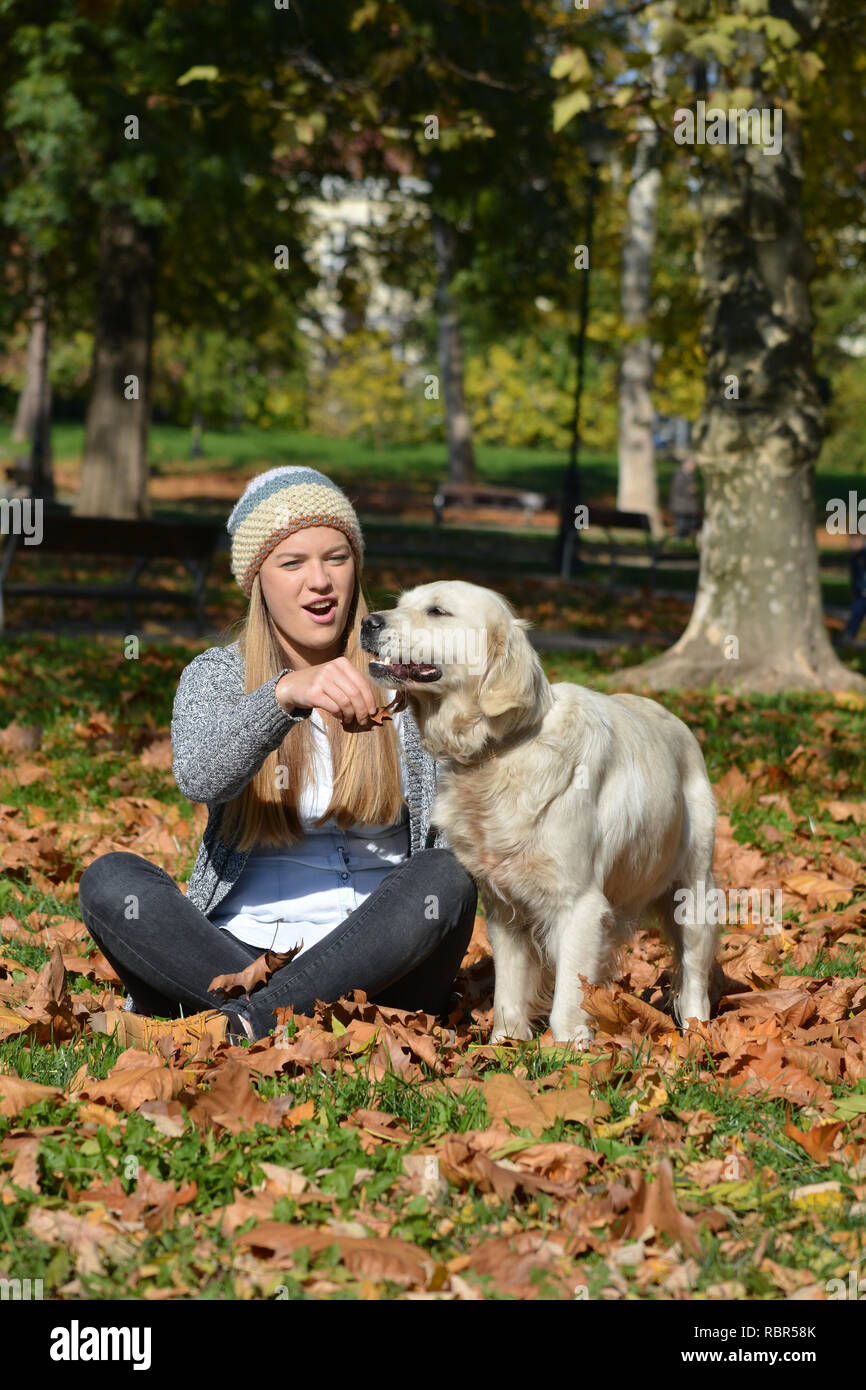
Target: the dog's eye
pixel 437 613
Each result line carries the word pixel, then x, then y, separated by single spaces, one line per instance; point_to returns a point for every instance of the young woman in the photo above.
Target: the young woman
pixel 318 816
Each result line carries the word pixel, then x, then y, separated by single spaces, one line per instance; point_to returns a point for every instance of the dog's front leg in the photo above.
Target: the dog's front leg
pixel 518 976
pixel 581 944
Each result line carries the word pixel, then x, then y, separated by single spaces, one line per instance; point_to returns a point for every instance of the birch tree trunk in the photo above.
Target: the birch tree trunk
pixel 114 467
pixel 637 487
pixel 757 623
pixel 461 455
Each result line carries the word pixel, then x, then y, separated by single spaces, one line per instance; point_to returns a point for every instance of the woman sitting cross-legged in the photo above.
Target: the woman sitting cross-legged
pixel 318 816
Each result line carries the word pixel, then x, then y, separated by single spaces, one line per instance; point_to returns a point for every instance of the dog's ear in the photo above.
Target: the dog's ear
pixel 512 677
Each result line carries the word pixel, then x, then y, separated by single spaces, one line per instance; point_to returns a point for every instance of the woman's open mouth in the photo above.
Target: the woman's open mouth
pixel 321 610
pixel 405 671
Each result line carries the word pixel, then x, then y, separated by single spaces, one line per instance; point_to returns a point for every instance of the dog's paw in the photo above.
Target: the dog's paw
pixel 503 1035
pixel 695 1009
pixel 579 1040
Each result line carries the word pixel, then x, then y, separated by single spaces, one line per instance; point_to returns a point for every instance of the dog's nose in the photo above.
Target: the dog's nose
pixel 370 626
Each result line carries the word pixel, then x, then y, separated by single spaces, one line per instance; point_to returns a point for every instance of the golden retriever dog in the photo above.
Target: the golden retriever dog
pixel 575 812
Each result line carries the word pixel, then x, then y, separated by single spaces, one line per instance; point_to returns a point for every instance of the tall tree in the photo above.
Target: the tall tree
pixel 154 136
pixel 637 489
pixel 637 486
pixel 757 623
pixel 458 426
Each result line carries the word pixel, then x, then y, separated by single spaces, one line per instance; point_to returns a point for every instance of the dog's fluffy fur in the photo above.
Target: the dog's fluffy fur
pixel 575 812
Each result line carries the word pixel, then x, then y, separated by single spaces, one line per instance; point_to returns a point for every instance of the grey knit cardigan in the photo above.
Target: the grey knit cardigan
pixel 220 736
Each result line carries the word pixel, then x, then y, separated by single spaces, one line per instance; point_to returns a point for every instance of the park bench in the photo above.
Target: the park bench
pixel 610 521
pixel 466 496
pixel 193 544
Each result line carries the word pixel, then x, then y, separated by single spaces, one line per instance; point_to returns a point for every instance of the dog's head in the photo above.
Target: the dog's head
pixel 465 663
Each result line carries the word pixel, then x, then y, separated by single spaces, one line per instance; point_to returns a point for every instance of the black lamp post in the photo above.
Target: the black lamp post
pixel 595 142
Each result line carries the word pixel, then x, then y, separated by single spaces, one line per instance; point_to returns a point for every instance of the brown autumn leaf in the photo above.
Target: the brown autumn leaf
pixel 232 1103
pixel 90 1242
pixel 370 1257
pixel 25 1169
pixel 817 1059
pixel 792 1006
pixel 508 1262
pixel 136 1077
pixel 788 1280
pixel 616 1011
pixel 157 754
pixel 654 1204
pixel 17 738
pixel 167 1116
pixel 16 1094
pixel 258 972
pixel 283 1182
pixel 765 1070
pixel 508 1098
pixel 836 999
pixel 846 810
pixel 817 1141
pixel 381 1124
pixel 561 1163
pixel 151 1201
pixel 817 889
pixel 49 1005
pixel 470 1158
pixel 733 787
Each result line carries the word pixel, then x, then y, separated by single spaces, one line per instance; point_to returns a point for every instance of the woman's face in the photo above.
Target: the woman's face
pixel 299 575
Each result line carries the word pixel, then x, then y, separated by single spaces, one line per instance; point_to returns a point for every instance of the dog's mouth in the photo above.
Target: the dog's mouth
pixel 401 671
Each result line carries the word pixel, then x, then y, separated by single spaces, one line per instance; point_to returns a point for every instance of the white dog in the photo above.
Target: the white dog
pixel 575 812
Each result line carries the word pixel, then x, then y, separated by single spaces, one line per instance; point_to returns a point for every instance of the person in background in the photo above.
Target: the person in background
pixel 858 587
pixel 685 502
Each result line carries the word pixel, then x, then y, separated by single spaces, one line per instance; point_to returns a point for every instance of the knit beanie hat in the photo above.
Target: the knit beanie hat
pixel 280 502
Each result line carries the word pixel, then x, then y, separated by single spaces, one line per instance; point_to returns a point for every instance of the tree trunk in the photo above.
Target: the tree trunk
pixel 757 623
pixel 461 456
pixel 25 411
pixel 33 413
pixel 637 488
pixel 114 467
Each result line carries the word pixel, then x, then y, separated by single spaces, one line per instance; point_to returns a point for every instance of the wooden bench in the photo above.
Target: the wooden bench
pixel 193 544
pixel 609 520
pixel 465 496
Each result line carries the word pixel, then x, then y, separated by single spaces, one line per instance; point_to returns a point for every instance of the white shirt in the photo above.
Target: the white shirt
pixel 302 892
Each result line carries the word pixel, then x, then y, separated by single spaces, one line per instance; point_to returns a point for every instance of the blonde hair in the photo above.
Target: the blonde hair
pixel 367 781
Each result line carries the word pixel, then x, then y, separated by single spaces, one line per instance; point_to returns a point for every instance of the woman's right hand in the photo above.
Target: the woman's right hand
pixel 335 686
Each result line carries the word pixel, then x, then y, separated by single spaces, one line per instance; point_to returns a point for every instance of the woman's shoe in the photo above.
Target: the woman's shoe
pixel 138 1030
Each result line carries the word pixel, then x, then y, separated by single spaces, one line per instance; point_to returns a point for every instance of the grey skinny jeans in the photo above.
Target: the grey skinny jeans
pixel 403 945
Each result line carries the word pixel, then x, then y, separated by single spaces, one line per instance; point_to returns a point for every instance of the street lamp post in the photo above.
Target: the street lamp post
pixel 568 552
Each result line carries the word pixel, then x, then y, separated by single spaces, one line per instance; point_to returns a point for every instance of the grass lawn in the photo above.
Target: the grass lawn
pixel 375 1154
pixel 250 450
pixel 370 1154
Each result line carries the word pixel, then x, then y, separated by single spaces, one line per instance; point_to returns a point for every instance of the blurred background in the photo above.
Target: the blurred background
pixel 459 245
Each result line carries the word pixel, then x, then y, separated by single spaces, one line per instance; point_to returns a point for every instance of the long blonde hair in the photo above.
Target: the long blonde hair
pixel 367 781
